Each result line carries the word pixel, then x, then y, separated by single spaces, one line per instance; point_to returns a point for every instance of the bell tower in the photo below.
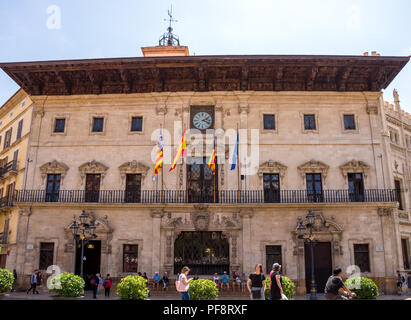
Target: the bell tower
pixel 168 44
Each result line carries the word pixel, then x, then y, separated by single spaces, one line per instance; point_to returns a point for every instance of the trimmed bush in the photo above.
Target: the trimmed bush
pixel 133 288
pixel 203 289
pixel 288 287
pixel 6 280
pixel 363 287
pixel 67 285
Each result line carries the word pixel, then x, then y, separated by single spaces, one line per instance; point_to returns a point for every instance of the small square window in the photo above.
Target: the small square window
pixel 136 124
pixel 59 125
pixel 98 124
pixel 309 122
pixel 269 122
pixel 349 122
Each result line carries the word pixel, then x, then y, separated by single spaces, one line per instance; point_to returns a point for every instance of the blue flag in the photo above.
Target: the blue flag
pixel 235 154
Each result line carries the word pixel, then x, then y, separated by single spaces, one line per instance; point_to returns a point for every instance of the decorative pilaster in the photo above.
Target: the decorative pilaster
pixel 156 236
pixel 247 244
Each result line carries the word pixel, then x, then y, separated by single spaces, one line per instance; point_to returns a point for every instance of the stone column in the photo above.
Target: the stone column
pixel 21 243
pixel 248 258
pixel 156 238
pixel 243 110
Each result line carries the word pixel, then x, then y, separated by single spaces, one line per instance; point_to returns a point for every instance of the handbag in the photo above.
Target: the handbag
pixel 283 297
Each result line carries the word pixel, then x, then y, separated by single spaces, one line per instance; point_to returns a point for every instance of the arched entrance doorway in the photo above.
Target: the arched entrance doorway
pixel 204 252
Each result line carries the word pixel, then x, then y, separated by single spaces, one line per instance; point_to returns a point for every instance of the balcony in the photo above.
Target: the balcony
pixel 9 169
pixel 5 202
pixel 220 197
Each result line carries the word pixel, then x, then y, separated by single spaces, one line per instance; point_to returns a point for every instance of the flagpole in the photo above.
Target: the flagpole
pixel 162 164
pixel 238 168
pixel 215 164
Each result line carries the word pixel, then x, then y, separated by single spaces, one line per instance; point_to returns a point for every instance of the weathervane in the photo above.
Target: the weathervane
pixel 168 38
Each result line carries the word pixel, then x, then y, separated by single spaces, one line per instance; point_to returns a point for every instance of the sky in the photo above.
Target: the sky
pixel 33 30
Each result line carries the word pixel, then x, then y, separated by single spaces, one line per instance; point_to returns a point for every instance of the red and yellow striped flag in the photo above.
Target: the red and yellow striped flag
pixel 211 161
pixel 159 155
pixel 181 150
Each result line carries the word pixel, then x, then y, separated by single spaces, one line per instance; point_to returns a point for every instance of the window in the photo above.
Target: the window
pixel 398 192
pixel 46 255
pixel 59 125
pixel 10 190
pixel 309 122
pixel 356 186
pixel 93 187
pixel 53 187
pixel 133 188
pixel 19 129
pixel 349 122
pixel 405 253
pixel 5 237
pixel 130 258
pixel 362 257
pixel 98 124
pixel 272 255
pixel 15 159
pixel 136 124
pixel 314 186
pixel 7 139
pixel 271 184
pixel 269 122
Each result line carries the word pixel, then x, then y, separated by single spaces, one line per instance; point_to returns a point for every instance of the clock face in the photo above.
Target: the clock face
pixel 202 120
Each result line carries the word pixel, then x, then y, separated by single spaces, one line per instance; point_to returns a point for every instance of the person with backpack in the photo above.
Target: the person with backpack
pixel 107 286
pixel 276 288
pixel 183 283
pixel 256 284
pixel 33 282
pixel 94 285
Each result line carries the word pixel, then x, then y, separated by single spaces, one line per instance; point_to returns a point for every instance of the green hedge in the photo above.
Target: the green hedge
pixel 133 288
pixel 363 287
pixel 287 284
pixel 67 285
pixel 6 280
pixel 203 289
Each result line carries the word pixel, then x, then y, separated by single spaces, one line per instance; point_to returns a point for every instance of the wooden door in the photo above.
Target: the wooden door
pixel 322 265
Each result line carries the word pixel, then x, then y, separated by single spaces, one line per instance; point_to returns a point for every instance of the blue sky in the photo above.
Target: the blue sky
pixel 118 28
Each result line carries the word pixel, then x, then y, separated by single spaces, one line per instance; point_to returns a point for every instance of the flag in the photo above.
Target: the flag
pixel 235 154
pixel 211 161
pixel 159 155
pixel 181 150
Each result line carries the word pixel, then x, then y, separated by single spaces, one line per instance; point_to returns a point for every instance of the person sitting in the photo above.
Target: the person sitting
pixel 236 281
pixel 335 288
pixel 225 281
pixel 216 280
pixel 166 281
pixel 243 283
pixel 156 280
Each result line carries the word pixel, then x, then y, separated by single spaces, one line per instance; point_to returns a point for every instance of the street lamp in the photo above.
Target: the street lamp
pixel 309 238
pixel 83 232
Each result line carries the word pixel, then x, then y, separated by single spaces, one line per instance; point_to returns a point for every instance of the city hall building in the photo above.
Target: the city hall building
pixel 322 147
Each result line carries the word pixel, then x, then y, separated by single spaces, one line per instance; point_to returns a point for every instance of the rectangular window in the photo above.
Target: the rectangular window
pixel 356 187
pixel 7 139
pixel 46 255
pixel 93 187
pixel 349 122
pixel 269 122
pixel 53 187
pixel 19 129
pixel 398 192
pixel 314 187
pixel 272 255
pixel 405 253
pixel 271 183
pixel 98 124
pixel 309 122
pixel 136 124
pixel 130 258
pixel 362 257
pixel 133 188
pixel 10 190
pixel 5 237
pixel 59 125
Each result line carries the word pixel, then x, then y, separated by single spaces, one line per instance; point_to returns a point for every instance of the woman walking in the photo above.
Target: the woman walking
pixel 256 284
pixel 183 284
pixel 107 286
pixel 276 288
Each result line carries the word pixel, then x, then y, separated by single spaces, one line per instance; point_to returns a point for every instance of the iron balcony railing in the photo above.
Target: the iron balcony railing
pixel 189 196
pixel 10 166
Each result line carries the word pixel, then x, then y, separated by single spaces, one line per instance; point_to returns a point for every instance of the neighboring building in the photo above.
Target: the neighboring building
pixel 15 119
pixel 319 123
pixel 397 133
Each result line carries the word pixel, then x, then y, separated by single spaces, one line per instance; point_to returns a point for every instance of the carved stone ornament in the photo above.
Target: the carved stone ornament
pixel 271 166
pixel 313 166
pixel 321 224
pixel 93 167
pixel 133 167
pixel 201 221
pixel 354 166
pixel 53 167
pixel 385 212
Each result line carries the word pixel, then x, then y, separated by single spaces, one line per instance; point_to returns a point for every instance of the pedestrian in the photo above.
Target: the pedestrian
pixel 156 280
pixel 225 281
pixel 14 281
pixel 196 277
pixel 166 281
pixel 107 284
pixel 94 285
pixel 409 282
pixel 236 281
pixel 256 284
pixel 33 282
pixel 39 281
pixel 145 277
pixel 400 281
pixel 335 288
pixel 100 283
pixel 183 283
pixel 276 288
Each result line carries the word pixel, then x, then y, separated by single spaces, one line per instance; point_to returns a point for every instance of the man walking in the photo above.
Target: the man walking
pixel 33 282
pixel 335 288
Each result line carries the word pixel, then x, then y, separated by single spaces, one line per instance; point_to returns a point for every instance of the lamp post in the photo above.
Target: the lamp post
pixel 309 238
pixel 83 232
